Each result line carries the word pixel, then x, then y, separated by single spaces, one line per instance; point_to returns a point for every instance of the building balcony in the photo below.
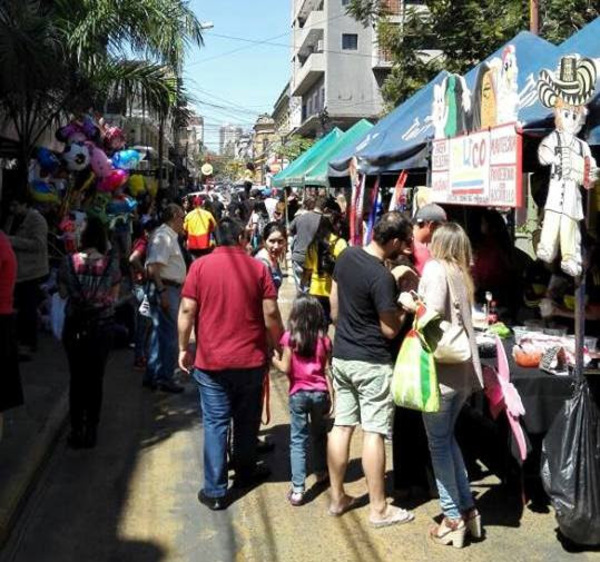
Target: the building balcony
pixel 306 75
pixel 311 33
pixel 382 59
pixel 305 7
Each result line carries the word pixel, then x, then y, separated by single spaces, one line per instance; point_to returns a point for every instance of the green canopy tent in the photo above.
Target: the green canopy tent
pixel 293 175
pixel 317 174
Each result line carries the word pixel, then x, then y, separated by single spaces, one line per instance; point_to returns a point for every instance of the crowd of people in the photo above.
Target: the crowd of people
pixel 201 279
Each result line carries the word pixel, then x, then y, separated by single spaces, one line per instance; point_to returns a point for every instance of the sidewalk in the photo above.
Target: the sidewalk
pixel 31 430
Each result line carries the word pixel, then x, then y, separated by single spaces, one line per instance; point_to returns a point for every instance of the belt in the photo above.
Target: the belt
pixel 170 283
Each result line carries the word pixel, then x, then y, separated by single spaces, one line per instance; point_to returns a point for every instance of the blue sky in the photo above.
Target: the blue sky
pixel 246 82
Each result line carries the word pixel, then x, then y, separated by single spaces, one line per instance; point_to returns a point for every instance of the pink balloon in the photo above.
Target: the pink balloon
pixel 101 164
pixel 113 181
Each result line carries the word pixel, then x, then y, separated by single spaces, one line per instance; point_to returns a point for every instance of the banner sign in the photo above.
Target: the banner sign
pixel 481 168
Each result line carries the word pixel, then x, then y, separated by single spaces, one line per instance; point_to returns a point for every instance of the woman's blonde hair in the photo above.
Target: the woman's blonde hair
pixel 450 244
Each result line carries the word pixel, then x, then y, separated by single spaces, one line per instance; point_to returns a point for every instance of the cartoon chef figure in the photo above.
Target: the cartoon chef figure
pixel 570 159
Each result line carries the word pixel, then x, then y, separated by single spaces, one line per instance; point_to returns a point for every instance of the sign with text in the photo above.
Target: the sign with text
pixel 482 168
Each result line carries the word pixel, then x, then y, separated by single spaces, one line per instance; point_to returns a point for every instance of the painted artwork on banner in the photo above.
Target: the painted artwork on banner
pixel 572 165
pixel 494 101
pixel 482 168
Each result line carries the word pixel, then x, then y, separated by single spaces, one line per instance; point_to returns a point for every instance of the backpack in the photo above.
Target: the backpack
pixel 326 259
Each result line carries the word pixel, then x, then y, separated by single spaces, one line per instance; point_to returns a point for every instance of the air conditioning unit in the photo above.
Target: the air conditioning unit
pixel 319 48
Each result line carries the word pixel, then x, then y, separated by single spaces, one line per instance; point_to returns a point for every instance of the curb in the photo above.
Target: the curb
pixel 21 484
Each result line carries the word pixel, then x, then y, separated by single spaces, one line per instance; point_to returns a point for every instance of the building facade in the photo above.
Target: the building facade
pixel 228 135
pixel 332 67
pixel 264 142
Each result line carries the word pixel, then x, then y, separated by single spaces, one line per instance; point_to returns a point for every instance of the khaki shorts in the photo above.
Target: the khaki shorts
pixel 362 395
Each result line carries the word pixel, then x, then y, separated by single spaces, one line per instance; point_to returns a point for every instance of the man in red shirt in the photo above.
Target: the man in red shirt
pixel 426 220
pixel 231 301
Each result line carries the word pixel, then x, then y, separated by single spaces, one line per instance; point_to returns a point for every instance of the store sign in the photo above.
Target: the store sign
pixel 482 168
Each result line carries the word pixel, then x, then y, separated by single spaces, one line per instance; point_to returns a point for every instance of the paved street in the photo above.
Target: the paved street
pixel 133 498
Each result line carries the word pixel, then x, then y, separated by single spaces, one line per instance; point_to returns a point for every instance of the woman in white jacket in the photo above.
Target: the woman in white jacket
pixel 447 287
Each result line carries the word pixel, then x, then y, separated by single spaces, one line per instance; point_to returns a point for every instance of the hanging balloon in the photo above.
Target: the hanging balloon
pixel 76 156
pixel 126 159
pixel 113 181
pixel 136 185
pixel 43 192
pixel 101 164
pixel 73 132
pixel 114 139
pixel 121 205
pixel 47 160
pixel 207 169
pixel 152 186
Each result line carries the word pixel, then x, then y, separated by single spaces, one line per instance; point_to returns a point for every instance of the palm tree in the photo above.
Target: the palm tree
pixel 60 56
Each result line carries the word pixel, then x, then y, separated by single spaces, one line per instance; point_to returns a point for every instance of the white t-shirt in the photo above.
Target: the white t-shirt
pixel 164 249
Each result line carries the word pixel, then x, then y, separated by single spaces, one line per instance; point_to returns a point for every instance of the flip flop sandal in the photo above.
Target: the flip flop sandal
pixel 398 517
pixel 351 503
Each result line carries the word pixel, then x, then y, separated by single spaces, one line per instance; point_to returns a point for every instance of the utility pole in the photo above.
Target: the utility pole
pixel 534 16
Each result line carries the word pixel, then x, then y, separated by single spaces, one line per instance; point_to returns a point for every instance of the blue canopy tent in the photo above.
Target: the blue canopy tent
pixel 401 140
pixel 586 42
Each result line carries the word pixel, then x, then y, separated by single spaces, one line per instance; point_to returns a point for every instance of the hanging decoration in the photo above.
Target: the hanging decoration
pixel 375 210
pixel 398 202
pixel 566 91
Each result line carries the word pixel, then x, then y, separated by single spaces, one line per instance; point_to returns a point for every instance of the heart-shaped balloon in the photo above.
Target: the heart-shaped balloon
pixel 114 180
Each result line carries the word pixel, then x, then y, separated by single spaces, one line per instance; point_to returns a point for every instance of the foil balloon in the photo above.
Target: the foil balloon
pixel 136 185
pixel 126 159
pixel 47 160
pixel 76 156
pixel 43 192
pixel 121 205
pixel 113 181
pixel 101 164
pixel 73 132
pixel 152 186
pixel 114 139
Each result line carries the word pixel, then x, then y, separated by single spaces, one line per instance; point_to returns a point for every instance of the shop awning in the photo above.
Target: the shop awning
pixel 586 42
pixel 293 175
pixel 401 139
pixel 317 174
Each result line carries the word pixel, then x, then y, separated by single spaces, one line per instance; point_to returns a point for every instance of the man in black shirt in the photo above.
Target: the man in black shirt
pixel 367 318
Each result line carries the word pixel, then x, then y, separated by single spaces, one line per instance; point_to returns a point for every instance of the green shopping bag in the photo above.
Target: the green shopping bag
pixel 415 383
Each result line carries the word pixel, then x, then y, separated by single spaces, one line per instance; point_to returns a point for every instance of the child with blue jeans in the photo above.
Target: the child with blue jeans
pixel 306 350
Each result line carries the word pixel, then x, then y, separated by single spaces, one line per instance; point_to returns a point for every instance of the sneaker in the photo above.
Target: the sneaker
pixel 295 498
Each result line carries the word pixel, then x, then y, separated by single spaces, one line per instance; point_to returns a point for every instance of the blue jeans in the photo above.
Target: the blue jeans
pixel 225 395
pixel 162 359
pixel 448 465
pixel 305 405
pixel 298 272
pixel 142 323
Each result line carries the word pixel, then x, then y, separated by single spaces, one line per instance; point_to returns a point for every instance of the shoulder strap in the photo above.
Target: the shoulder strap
pixel 455 301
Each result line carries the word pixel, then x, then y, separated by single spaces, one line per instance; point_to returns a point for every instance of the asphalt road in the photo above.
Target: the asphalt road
pixel 133 498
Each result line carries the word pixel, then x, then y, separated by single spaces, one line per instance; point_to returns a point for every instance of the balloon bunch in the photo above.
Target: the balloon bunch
pixel 96 159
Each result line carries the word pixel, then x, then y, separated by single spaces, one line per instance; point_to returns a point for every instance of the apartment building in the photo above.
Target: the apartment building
pixel 332 66
pixel 228 135
pixel 337 65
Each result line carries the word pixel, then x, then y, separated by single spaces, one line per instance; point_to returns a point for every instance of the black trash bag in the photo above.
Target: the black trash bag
pixel 571 468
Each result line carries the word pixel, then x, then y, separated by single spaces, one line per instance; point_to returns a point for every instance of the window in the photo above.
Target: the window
pixel 349 41
pixel 345 2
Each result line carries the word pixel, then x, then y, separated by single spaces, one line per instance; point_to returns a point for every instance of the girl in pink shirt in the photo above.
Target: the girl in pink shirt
pixel 305 359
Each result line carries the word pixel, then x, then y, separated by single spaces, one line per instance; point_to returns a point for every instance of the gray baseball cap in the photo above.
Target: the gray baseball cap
pixel 430 213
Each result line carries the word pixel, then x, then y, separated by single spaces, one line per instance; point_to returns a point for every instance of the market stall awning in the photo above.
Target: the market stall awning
pixel 293 175
pixel 459 105
pixel 586 42
pixel 317 175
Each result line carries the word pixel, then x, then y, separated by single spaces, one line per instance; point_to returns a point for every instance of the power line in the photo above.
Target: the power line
pixel 260 41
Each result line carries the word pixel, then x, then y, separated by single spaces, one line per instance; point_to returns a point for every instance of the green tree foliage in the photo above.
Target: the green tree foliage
pixel 559 19
pixel 61 57
pixel 464 32
pixel 291 147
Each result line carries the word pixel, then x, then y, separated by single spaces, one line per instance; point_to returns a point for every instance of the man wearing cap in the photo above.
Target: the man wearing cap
pixel 166 272
pixel 426 220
